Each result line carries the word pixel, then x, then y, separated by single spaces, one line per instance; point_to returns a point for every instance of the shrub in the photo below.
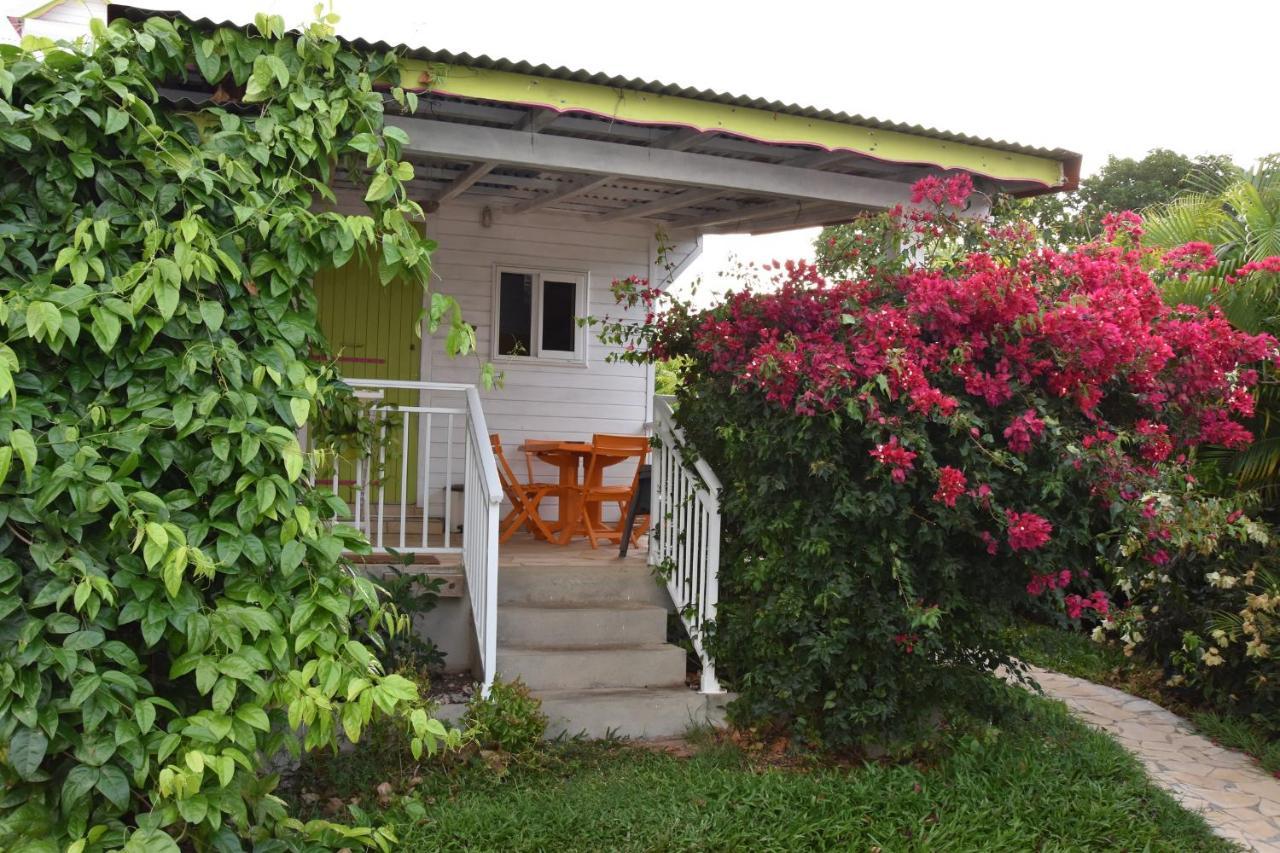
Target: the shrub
pixel 509 719
pixel 174 607
pixel 912 449
pixel 1203 588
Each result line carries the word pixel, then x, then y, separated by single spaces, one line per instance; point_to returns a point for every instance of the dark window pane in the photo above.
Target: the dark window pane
pixel 515 314
pixel 559 301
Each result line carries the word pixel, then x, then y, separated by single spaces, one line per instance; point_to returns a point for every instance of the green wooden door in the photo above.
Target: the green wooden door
pixel 370 328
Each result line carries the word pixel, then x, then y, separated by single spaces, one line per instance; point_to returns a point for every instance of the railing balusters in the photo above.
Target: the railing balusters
pixel 481 492
pixel 685 539
pixel 448 482
pixel 425 453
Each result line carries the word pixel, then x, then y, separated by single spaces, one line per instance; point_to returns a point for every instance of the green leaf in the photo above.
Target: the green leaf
pixel 174 567
pixel 167 294
pixel 254 716
pixel 299 407
pixel 105 328
pixel 26 751
pixel 116 121
pixel 235 666
pixel 291 556
pixel 291 455
pixel 82 164
pixel 113 785
pixel 212 313
pixel 182 412
pixel 44 320
pixel 25 446
pixel 145 714
pixel 380 189
pixel 279 69
pixel 89 638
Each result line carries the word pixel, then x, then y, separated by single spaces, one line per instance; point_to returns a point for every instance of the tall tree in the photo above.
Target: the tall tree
pixel 1122 184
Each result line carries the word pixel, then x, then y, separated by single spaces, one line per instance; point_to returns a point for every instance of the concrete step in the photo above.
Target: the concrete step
pixel 561 625
pixel 580 668
pixel 603 583
pixel 652 713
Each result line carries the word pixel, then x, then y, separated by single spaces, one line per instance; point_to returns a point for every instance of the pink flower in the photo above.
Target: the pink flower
pixel 1022 430
pixel 1039 583
pixel 1266 265
pixel 954 190
pixel 990 542
pixel 1026 531
pixel 951 485
pixel 1126 223
pixel 896 457
pixel 1189 258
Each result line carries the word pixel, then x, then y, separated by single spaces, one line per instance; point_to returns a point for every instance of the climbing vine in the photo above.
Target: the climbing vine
pixel 175 609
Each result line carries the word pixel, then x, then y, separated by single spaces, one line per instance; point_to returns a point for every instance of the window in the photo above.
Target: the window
pixel 536 314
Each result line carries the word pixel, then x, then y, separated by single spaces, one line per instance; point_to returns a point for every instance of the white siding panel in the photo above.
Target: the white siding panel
pixel 540 399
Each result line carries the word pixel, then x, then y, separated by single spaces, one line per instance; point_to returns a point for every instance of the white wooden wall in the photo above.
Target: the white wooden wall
pixel 538 398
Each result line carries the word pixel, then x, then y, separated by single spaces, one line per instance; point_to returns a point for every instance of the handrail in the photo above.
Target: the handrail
pixel 480 432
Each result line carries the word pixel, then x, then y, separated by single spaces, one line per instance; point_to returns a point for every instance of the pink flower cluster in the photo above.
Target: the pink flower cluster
pixel 1266 265
pixel 1125 224
pixel 951 485
pixel 1053 580
pixel 896 457
pixel 1189 258
pixel 954 190
pixel 1097 601
pixel 1026 531
pixel 1022 430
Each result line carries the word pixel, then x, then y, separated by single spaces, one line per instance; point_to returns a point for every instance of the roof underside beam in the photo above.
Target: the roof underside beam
pixel 612 161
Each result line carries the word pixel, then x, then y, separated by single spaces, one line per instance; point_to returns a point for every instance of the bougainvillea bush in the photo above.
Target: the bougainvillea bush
pixel 919 442
pixel 174 606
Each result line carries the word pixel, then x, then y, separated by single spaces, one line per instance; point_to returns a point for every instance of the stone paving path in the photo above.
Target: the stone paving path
pixel 1239 799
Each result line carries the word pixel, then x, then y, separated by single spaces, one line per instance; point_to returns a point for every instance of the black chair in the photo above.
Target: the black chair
pixel 639 505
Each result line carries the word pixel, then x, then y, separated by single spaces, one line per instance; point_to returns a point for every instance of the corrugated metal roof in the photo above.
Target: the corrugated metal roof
pixel 650 86
pixel 708 95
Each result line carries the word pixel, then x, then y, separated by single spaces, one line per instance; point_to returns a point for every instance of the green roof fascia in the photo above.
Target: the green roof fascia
pixel 767 126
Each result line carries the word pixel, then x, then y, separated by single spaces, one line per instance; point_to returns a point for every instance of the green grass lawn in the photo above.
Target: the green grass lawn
pixel 1034 780
pixel 1075 654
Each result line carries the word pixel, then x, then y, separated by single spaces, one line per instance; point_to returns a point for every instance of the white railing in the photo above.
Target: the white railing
pixel 481 500
pixel 402 493
pixel 684 542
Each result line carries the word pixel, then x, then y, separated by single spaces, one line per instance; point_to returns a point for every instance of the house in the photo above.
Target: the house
pixel 542 186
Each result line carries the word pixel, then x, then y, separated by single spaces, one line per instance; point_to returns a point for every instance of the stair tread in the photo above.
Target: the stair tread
pixel 618 693
pixel 580 605
pixel 620 647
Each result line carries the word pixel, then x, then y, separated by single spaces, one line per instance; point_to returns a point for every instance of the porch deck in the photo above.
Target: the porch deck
pixel 524 550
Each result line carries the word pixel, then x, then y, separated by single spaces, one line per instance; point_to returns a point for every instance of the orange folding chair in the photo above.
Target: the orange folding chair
pixel 608 450
pixel 524 498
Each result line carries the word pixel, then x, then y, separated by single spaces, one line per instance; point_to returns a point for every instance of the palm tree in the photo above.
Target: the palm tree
pixel 1239 215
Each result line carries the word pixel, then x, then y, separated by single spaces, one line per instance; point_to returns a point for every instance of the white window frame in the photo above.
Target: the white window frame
pixel 581 278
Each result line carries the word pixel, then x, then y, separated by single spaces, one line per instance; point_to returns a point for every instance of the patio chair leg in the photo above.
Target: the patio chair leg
pixel 591 531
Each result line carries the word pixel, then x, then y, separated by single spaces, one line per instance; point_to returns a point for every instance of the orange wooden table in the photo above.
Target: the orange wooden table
pixel 570 457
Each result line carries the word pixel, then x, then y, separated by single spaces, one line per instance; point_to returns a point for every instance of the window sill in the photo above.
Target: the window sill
pixel 540 361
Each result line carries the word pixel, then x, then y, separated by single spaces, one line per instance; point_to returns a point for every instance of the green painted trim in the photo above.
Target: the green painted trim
pixel 761 125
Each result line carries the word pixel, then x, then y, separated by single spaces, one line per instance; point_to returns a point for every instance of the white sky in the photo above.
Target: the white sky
pixel 1116 77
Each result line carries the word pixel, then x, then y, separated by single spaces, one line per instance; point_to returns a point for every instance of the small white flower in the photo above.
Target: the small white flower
pixel 1211 657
